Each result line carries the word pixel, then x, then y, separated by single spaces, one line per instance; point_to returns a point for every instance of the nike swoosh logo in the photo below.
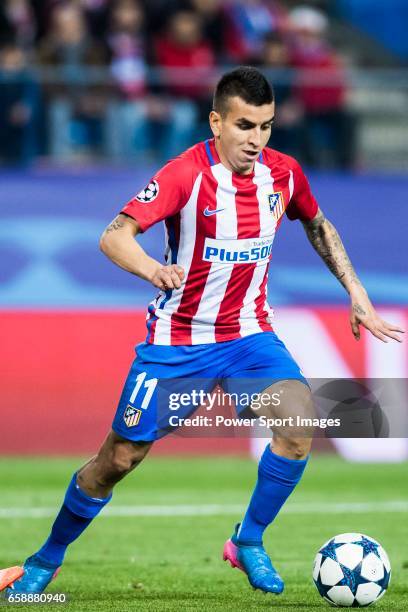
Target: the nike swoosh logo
pixel 208 212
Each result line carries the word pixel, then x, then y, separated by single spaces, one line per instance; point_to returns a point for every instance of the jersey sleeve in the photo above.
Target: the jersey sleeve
pixel 165 194
pixel 302 204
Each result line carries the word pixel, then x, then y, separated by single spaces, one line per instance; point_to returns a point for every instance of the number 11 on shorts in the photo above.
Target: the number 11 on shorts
pixel 149 384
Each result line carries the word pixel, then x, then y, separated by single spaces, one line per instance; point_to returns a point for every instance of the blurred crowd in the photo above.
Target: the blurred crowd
pixel 132 79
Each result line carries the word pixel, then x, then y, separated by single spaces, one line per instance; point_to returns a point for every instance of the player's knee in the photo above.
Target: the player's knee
pixel 126 456
pixel 121 464
pixel 296 450
pixel 293 448
pixel 301 450
pixel 116 459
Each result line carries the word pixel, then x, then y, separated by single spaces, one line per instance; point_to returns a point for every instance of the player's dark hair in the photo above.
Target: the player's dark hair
pixel 246 82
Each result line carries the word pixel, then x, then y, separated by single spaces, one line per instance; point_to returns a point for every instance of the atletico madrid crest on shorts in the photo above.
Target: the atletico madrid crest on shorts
pixel 131 416
pixel 276 205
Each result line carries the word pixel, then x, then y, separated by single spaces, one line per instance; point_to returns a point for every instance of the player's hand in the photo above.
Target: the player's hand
pixel 168 277
pixel 364 313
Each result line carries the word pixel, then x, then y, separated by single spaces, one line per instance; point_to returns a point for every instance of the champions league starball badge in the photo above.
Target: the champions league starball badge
pixel 149 193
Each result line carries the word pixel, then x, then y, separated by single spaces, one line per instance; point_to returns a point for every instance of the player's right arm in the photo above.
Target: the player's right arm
pixel 163 197
pixel 119 245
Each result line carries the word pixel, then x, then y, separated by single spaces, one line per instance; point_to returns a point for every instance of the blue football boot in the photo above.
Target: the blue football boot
pixel 37 576
pixel 255 563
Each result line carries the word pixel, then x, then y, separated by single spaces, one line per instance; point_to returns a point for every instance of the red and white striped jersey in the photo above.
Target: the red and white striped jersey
pixel 219 227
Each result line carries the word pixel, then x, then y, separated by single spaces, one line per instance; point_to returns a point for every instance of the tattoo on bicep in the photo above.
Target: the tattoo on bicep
pixel 116 224
pixel 327 243
pixel 316 222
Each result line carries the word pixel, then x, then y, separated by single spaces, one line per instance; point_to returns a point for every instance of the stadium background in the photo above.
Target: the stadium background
pixel 69 318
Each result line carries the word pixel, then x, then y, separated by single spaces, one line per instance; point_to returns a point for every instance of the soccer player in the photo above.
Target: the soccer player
pixel 222 202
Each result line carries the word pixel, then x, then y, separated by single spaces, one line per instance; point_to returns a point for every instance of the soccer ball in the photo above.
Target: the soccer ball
pixel 149 193
pixel 351 569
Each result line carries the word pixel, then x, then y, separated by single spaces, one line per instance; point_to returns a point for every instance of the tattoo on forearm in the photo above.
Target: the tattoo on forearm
pixel 327 243
pixel 116 224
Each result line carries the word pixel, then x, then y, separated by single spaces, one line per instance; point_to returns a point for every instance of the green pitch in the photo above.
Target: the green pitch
pixel 160 548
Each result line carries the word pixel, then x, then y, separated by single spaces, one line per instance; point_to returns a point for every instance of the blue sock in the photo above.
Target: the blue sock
pixel 277 477
pixel 77 512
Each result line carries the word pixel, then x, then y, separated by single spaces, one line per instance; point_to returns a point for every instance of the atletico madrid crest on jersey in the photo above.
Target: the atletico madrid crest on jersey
pixel 219 227
pixel 131 416
pixel 276 205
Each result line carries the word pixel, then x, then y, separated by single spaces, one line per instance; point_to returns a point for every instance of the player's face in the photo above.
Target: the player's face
pixel 242 133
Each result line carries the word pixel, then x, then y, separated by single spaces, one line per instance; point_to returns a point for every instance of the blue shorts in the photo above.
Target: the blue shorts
pixel 255 361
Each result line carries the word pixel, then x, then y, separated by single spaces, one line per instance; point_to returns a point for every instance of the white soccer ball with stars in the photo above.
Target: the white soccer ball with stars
pixel 351 570
pixel 149 193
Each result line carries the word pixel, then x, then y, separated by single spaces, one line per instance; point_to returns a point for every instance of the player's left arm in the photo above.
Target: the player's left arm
pixel 327 243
